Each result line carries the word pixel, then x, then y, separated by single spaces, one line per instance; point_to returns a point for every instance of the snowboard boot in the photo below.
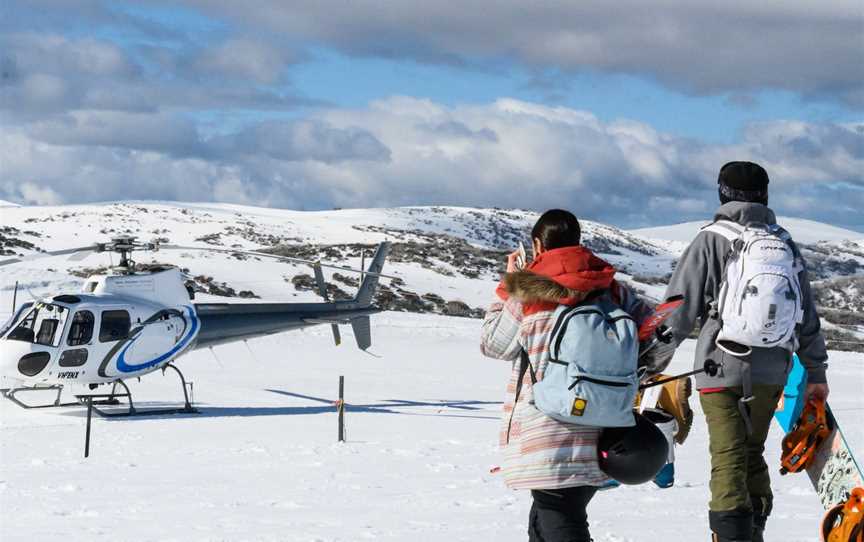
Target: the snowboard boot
pixel 761 510
pixel 666 477
pixel 759 528
pixel 675 399
pixel 731 525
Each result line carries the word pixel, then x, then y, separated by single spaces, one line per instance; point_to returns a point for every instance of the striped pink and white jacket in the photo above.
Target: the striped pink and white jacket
pixel 541 452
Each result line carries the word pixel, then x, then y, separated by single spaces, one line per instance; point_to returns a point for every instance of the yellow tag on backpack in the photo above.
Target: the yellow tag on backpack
pixel 845 522
pixel 578 407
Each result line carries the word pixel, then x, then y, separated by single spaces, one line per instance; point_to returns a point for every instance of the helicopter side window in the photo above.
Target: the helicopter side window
pixel 81 329
pixel 43 325
pixel 47 329
pixel 115 326
pixel 24 330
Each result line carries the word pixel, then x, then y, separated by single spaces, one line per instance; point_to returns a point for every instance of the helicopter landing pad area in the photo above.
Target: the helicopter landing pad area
pixel 261 462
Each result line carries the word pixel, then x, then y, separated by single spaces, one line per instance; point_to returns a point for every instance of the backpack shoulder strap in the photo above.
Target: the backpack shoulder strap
pixel 725 228
pixel 786 237
pixel 524 366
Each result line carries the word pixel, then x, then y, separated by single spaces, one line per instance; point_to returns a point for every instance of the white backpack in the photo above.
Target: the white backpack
pixel 760 302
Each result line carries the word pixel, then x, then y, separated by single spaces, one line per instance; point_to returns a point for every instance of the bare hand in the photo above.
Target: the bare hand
pixel 512 258
pixel 817 392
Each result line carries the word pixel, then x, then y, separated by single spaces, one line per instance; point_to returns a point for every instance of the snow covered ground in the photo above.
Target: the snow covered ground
pixel 261 462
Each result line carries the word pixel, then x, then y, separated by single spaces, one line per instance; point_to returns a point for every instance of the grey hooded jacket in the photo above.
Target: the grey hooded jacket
pixel 698 276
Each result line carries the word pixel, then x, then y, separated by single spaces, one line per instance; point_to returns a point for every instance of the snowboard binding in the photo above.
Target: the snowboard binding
pixel 800 445
pixel 845 522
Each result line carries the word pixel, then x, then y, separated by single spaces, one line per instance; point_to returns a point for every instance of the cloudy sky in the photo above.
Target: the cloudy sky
pixel 622 112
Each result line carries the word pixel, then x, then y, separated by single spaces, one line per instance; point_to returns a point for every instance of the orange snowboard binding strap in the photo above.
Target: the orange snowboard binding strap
pixel 803 441
pixel 845 522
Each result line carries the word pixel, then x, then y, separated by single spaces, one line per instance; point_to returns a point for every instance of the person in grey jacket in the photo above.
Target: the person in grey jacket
pixel 741 497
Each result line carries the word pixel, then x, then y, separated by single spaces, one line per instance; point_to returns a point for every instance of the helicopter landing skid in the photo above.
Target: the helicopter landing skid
pixel 113 398
pixel 9 393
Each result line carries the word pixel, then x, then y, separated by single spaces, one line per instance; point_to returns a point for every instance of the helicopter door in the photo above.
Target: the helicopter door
pixel 156 339
pixel 80 336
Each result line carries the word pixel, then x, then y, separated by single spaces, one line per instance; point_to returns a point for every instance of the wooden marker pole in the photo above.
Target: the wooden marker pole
pixel 340 406
pixel 15 298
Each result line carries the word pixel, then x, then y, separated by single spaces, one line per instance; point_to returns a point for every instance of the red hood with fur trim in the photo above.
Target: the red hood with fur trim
pixel 562 276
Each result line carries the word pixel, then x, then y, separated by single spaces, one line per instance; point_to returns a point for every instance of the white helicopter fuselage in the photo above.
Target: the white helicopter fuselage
pixel 121 326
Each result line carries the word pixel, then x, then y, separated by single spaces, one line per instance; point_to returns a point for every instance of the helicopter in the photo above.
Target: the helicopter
pixel 129 322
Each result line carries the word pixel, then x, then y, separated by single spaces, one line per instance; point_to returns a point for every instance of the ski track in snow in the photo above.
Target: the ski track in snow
pixel 260 463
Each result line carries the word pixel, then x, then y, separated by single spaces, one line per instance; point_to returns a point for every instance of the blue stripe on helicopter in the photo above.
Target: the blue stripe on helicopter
pixel 124 367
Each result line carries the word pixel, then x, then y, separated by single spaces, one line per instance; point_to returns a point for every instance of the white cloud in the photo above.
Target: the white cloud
pixel 735 46
pixel 43 73
pixel 35 194
pixel 402 151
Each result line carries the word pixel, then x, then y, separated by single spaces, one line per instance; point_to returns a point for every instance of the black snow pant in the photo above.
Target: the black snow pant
pixel 560 515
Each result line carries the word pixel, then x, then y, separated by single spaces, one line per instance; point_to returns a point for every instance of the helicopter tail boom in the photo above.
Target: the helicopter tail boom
pixel 227 322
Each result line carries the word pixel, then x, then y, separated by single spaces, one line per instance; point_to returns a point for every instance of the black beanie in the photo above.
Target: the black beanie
pixel 743 181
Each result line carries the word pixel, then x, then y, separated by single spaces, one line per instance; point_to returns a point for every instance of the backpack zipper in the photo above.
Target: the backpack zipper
pixel 596 381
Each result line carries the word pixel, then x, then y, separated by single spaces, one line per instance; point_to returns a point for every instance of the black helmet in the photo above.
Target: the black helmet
pixel 633 455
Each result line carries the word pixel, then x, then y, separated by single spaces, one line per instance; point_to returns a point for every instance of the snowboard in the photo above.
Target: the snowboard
pixel 834 472
pixel 648 331
pixel 651 334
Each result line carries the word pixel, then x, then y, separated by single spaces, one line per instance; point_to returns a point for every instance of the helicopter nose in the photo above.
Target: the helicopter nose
pixel 20 361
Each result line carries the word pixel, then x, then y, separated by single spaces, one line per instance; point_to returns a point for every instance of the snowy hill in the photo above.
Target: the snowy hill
pixel 449 232
pixel 804 231
pixel 447 253
pixel 260 462
pixel 448 259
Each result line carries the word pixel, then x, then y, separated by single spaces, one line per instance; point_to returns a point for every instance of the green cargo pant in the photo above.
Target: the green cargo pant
pixel 739 474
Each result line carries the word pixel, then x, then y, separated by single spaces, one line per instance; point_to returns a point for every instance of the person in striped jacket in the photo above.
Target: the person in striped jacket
pixel 557 461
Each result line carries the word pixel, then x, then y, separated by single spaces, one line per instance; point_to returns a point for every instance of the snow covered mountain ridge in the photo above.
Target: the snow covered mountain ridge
pixel 448 259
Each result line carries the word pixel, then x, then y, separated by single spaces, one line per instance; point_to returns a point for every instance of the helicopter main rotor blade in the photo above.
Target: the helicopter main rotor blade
pixel 80 255
pixel 40 255
pixel 278 257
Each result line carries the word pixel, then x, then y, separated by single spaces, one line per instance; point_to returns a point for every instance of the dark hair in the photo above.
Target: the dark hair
pixel 728 194
pixel 557 228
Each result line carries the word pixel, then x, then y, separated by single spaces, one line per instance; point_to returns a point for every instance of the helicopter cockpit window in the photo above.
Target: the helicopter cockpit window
pixel 42 325
pixel 115 326
pixel 81 328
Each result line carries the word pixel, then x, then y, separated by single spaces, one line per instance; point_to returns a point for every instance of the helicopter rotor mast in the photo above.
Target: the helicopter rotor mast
pixel 125 246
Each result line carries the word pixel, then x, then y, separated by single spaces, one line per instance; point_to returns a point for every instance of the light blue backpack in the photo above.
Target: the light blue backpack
pixel 592 376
